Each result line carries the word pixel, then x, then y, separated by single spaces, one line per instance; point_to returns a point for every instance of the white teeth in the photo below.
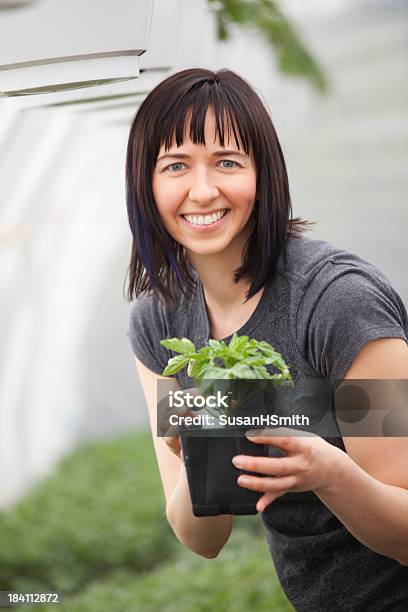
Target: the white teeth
pixel 207 220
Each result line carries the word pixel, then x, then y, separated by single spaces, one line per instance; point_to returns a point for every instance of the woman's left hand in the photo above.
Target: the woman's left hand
pixel 309 464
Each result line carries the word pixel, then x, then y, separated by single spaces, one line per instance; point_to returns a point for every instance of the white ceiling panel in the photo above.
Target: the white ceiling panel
pixel 70 43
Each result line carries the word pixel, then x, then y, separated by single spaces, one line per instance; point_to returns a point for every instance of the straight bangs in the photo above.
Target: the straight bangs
pixel 187 118
pixel 174 111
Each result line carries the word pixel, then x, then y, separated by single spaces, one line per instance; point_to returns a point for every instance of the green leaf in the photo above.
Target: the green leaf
pixel 241 359
pixel 205 350
pixel 256 361
pixel 175 364
pixel 291 53
pixel 278 362
pixel 197 367
pixel 261 372
pixel 238 343
pixel 215 344
pixel 239 370
pixel 266 348
pixel 183 345
pixel 215 372
pixel 237 355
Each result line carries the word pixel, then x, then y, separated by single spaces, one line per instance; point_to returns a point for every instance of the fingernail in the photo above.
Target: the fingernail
pixel 238 461
pixel 251 433
pixel 243 480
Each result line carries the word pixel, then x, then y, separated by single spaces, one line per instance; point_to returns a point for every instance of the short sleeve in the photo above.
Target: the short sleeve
pixel 146 329
pixel 344 308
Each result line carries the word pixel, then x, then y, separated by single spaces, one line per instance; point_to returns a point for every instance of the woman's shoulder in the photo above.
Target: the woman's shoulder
pixel 312 266
pixel 324 273
pixel 305 259
pixel 151 320
pixel 151 305
pixel 344 302
pixel 155 315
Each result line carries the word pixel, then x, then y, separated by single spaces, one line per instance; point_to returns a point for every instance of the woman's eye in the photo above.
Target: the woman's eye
pixel 228 163
pixel 176 167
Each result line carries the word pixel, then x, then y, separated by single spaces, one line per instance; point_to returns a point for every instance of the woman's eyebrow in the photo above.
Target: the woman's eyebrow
pixel 219 153
pixel 173 155
pixel 222 152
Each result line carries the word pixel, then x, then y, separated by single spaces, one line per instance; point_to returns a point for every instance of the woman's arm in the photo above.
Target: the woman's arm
pixel 376 513
pixel 367 489
pixel 205 536
pixel 374 474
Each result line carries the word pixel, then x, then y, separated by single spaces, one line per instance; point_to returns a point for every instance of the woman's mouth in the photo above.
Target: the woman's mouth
pixel 206 222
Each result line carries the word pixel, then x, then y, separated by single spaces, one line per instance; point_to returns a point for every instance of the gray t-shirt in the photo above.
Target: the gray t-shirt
pixel 321 307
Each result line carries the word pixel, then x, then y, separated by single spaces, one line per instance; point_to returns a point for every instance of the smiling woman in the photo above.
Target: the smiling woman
pixel 206 200
pixel 207 143
pixel 216 251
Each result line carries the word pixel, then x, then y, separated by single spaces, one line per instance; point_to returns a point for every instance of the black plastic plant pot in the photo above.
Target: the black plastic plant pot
pixel 212 477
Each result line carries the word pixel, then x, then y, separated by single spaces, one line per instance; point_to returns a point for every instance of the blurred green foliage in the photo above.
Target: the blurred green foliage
pixel 96 530
pixel 265 16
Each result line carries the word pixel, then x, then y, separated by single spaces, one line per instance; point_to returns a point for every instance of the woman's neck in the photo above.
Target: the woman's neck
pixel 216 273
pixel 224 298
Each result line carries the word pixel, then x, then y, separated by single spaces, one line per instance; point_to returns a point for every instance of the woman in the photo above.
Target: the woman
pixel 215 251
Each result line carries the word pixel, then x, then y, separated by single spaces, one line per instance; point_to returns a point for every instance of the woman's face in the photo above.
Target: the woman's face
pixel 205 194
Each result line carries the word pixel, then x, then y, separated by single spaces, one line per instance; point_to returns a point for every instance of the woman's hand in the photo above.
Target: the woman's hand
pixel 170 433
pixel 309 464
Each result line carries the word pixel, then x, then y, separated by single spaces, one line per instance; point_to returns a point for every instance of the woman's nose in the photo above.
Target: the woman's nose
pixel 202 190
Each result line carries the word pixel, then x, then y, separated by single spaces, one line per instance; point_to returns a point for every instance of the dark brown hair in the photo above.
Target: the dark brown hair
pixel 158 263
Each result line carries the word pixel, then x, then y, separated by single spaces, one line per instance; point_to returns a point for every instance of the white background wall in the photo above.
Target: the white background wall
pixel 66 369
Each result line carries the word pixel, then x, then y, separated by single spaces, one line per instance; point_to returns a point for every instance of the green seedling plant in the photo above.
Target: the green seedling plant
pixel 242 358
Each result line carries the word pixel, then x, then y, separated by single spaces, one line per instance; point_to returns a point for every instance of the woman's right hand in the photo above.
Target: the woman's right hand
pixel 170 432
